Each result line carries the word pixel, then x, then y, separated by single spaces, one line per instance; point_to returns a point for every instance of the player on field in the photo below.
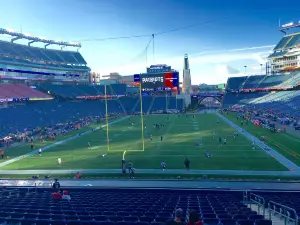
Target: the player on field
pixel 236 134
pixel 40 152
pixel 59 162
pixel 161 138
pixel 253 145
pixel 214 134
pixel 225 140
pixel 207 154
pixel 187 164
pixel 220 141
pixel 89 144
pixel 163 165
pixel 151 138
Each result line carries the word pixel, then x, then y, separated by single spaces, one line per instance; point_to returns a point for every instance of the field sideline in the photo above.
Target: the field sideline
pixel 284 143
pixel 180 135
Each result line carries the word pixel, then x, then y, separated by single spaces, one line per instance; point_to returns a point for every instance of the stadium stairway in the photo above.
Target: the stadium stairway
pixel 275 219
pixel 136 104
pixel 151 104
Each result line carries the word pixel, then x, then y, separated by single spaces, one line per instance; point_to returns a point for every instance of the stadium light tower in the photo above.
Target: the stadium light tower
pixel 245 69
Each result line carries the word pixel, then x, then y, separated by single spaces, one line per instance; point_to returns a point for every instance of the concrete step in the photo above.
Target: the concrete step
pixel 276 220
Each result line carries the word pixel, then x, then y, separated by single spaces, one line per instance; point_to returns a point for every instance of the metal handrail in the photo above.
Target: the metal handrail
pixel 245 195
pixel 260 201
pixel 284 211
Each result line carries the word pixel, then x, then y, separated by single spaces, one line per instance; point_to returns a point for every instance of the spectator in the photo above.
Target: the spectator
pixel 78 175
pixel 56 184
pixel 57 195
pixel 179 216
pixel 194 218
pixel 2 154
pixel 66 196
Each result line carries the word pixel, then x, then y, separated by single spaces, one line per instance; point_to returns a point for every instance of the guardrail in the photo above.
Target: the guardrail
pixel 289 214
pixel 260 201
pixel 245 195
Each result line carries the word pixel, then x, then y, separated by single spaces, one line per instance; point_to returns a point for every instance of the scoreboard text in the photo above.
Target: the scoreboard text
pixel 158 81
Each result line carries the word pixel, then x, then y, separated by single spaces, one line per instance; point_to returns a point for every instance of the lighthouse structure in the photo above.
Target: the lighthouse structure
pixel 187 82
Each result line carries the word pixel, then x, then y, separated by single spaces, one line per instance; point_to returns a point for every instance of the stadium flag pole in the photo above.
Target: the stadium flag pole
pixel 106 118
pixel 142 118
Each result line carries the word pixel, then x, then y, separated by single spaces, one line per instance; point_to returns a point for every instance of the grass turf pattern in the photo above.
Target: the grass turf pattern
pixel 181 138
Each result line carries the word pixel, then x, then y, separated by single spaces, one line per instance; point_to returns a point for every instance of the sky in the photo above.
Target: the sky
pixel 221 37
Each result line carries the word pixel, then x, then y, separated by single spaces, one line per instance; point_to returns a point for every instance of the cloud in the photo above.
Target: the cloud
pixel 226 69
pixel 208 67
pixel 251 48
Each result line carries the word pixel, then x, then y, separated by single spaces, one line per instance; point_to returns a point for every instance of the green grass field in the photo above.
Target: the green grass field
pixel 284 143
pixel 180 135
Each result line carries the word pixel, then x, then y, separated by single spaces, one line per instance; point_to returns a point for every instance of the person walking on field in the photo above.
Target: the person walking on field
pixel 187 164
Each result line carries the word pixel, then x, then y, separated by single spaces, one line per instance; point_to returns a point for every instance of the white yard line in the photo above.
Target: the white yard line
pixel 56 143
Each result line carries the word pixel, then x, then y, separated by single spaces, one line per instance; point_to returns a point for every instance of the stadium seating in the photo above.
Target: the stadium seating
pixel 21 55
pixel 234 83
pixel 282 43
pixel 49 113
pixel 280 102
pixel 127 207
pixel 231 99
pixel 20 91
pixel 40 54
pixel 288 41
pixel 74 91
pixel 261 81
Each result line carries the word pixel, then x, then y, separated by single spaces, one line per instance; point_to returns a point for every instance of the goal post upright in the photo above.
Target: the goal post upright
pixel 106 118
pixel 142 118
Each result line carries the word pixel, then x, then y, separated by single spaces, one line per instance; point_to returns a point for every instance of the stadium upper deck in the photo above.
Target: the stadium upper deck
pixel 286 55
pixel 33 63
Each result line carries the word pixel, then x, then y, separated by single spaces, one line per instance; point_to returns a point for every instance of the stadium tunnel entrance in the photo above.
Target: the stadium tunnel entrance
pixel 204 100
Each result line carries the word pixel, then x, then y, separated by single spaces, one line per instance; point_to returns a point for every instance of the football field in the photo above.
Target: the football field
pixel 182 137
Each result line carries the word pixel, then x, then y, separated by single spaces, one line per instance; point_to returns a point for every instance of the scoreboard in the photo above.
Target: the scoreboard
pixel 164 81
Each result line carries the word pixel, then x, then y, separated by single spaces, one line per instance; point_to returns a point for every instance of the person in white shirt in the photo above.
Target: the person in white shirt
pixel 59 162
pixel 66 196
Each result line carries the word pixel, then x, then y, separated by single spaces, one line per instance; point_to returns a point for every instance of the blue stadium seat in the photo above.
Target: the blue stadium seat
pixel 11 52
pixel 255 217
pixel 263 222
pixel 211 221
pixel 227 221
pixel 244 222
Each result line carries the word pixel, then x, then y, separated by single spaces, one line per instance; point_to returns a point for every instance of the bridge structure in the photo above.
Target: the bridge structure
pixel 201 96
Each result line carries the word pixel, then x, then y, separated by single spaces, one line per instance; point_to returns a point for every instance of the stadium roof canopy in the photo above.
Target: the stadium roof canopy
pixel 32 39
